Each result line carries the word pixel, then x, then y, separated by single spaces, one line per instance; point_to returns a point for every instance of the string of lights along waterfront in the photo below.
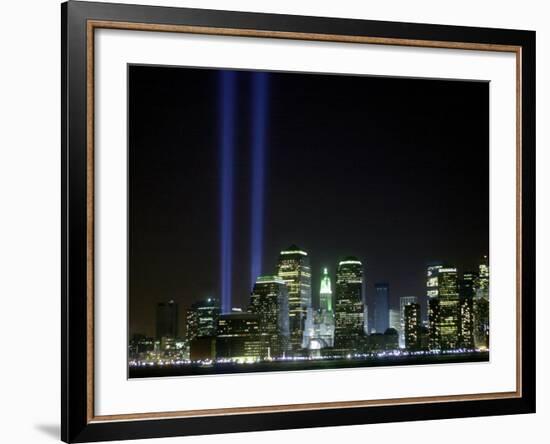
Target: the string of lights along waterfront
pixel 282 327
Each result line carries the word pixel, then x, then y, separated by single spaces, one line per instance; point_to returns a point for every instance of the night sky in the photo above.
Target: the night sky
pixel 394 171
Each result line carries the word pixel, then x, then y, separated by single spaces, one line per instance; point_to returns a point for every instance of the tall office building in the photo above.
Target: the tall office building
pixel 434 332
pixel 269 300
pixel 481 306
pixel 432 291
pixel 348 308
pixel 293 268
pixel 448 321
pixel 468 284
pixel 403 302
pixel 320 324
pixel 481 323
pixel 482 287
pixel 167 320
pixel 239 337
pixel 381 306
pixel 467 290
pixel 412 326
pixel 466 323
pixel 202 318
pixel 443 307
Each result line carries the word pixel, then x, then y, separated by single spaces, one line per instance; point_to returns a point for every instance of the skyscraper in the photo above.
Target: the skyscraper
pixel 411 313
pixel 349 311
pixel 202 318
pixel 434 311
pixel 467 290
pixel 432 291
pixel 320 323
pixel 482 287
pixel 239 337
pixel 481 323
pixel 481 306
pixel 293 268
pixel 167 320
pixel 403 302
pixel 468 284
pixel 269 300
pixel 381 306
pixel 448 320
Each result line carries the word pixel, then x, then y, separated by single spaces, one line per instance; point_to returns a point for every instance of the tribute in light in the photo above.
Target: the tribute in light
pixel 227 84
pixel 260 84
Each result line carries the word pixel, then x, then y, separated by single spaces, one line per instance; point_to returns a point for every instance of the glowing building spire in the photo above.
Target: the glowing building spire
pixel 325 293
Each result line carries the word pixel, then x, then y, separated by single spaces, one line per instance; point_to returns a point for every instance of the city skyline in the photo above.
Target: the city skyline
pixel 369 291
pixel 249 163
pixel 281 325
pixel 398 304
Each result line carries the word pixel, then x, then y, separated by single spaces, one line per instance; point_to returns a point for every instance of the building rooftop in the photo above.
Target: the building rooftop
pixel 294 249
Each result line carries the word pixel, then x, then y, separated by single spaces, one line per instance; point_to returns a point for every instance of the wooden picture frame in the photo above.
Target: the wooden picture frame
pixel 79 22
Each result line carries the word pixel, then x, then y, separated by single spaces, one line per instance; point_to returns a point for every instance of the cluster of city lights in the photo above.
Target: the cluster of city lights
pixel 280 325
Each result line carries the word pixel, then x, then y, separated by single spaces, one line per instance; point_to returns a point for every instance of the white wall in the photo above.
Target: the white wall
pixel 30 208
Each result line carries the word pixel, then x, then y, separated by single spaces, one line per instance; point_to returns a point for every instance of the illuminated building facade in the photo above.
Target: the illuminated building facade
pixel 349 310
pixel 444 321
pixel 167 320
pixel 481 307
pixel 294 269
pixel 424 338
pixel 269 300
pixel 239 337
pixel 381 306
pixel 482 287
pixel 434 310
pixel 481 323
pixel 432 280
pixel 325 318
pixel 202 319
pixel 466 315
pixel 458 319
pixel 412 326
pixel 320 323
pixel 325 293
pixel 403 302
pixel 140 344
pixel 458 314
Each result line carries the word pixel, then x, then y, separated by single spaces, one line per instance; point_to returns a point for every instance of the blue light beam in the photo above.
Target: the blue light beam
pixel 260 85
pixel 227 84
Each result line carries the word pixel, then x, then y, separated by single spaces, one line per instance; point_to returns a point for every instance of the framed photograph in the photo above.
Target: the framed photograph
pixel 277 221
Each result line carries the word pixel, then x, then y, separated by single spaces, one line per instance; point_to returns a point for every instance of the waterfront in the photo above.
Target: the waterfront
pixel 189 369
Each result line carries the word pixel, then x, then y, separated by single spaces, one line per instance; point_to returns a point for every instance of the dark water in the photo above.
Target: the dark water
pixel 227 368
